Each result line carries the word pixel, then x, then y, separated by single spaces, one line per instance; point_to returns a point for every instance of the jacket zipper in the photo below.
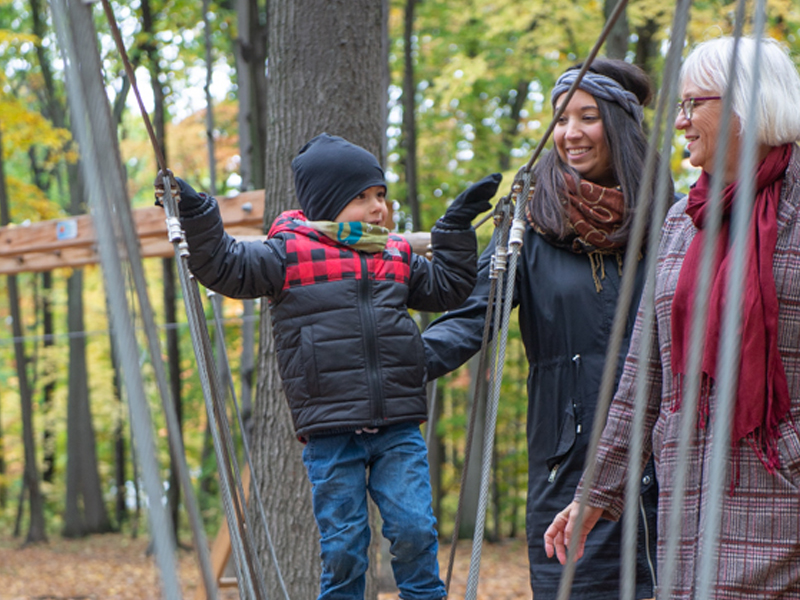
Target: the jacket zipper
pixel 370 331
pixel 647 545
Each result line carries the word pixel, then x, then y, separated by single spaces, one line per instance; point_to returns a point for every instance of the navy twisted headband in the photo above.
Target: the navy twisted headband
pixel 600 86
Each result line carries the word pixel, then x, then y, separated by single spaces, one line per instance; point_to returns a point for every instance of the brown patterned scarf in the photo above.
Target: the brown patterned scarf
pixel 594 213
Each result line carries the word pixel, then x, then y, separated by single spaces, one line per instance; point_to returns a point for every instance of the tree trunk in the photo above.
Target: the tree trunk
pixel 212 162
pixel 410 117
pixel 48 437
pixel 54 110
pixel 247 364
pixel 328 72
pixel 3 486
pixel 472 482
pixel 510 132
pixel 120 451
pixel 168 264
pixel 159 122
pixel 251 54
pixel 617 40
pixel 174 368
pixel 85 508
pixel 36 529
pixel 647 47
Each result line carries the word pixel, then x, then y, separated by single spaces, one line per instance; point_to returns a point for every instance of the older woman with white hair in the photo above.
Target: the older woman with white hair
pixel 759 541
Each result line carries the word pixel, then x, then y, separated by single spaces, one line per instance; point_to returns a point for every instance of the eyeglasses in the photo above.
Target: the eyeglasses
pixel 687 106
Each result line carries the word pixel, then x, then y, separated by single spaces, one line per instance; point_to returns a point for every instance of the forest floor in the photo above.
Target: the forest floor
pixel 116 567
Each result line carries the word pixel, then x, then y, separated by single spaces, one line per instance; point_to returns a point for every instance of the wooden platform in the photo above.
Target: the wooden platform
pixel 72 241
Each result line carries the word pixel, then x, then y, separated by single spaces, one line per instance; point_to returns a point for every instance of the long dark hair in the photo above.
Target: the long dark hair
pixel 627 143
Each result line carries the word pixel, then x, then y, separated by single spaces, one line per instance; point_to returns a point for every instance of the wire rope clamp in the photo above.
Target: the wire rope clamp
pixel 183 248
pixel 499 261
pixel 516 234
pixel 174 231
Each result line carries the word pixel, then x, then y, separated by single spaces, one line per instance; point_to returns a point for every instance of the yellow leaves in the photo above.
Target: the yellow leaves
pixel 644 12
pixel 462 72
pixel 15 38
pixel 23 129
pixel 713 18
pixel 36 206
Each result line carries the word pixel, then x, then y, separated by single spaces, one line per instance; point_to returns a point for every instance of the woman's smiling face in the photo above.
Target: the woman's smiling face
pixel 702 132
pixel 580 141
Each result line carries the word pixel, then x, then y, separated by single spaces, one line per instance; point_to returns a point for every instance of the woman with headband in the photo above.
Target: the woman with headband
pixel 758 497
pixel 579 218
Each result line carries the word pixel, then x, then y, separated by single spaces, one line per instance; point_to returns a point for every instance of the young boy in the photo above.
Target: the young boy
pixel 350 355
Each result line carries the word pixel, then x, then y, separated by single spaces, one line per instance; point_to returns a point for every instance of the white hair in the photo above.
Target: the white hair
pixel 778 111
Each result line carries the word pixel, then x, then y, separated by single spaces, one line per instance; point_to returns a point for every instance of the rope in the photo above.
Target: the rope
pixel 665 107
pixel 495 378
pixel 232 505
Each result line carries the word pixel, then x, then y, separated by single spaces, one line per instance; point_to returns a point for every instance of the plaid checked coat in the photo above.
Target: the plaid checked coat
pixel 349 353
pixel 759 554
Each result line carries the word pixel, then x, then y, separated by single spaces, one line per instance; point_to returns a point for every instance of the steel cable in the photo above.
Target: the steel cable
pixel 247 561
pixel 216 304
pixel 730 339
pixel 101 168
pixel 503 212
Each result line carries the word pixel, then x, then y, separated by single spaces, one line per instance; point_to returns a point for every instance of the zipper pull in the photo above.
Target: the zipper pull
pixel 553 472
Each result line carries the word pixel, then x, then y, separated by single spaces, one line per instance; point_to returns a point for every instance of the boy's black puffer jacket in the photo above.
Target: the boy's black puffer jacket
pixel 349 353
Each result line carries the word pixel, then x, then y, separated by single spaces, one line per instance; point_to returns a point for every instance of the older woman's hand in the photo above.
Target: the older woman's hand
pixel 559 534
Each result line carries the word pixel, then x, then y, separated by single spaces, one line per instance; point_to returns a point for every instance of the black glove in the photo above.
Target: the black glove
pixel 470 203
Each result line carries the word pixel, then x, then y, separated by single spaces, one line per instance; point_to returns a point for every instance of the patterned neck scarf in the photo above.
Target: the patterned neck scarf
pixel 762 397
pixel 594 213
pixel 361 237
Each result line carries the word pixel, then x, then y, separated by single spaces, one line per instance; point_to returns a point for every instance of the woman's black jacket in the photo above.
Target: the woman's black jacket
pixel 565 324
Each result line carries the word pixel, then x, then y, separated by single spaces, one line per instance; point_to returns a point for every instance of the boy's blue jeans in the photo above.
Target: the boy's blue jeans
pixel 392 465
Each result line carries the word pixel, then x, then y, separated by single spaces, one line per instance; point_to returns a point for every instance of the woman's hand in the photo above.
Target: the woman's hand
pixel 560 532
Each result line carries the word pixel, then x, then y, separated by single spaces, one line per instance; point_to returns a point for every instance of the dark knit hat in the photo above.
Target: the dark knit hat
pixel 329 172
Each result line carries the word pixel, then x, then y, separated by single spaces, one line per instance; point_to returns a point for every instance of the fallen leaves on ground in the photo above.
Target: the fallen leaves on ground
pixel 503 571
pixel 116 567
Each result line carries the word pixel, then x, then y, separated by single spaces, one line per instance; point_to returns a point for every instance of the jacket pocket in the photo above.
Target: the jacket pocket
pixel 309 360
pixel 566 438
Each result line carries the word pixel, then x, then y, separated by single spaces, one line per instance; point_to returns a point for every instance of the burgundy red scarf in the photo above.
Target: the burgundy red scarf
pixel 762 397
